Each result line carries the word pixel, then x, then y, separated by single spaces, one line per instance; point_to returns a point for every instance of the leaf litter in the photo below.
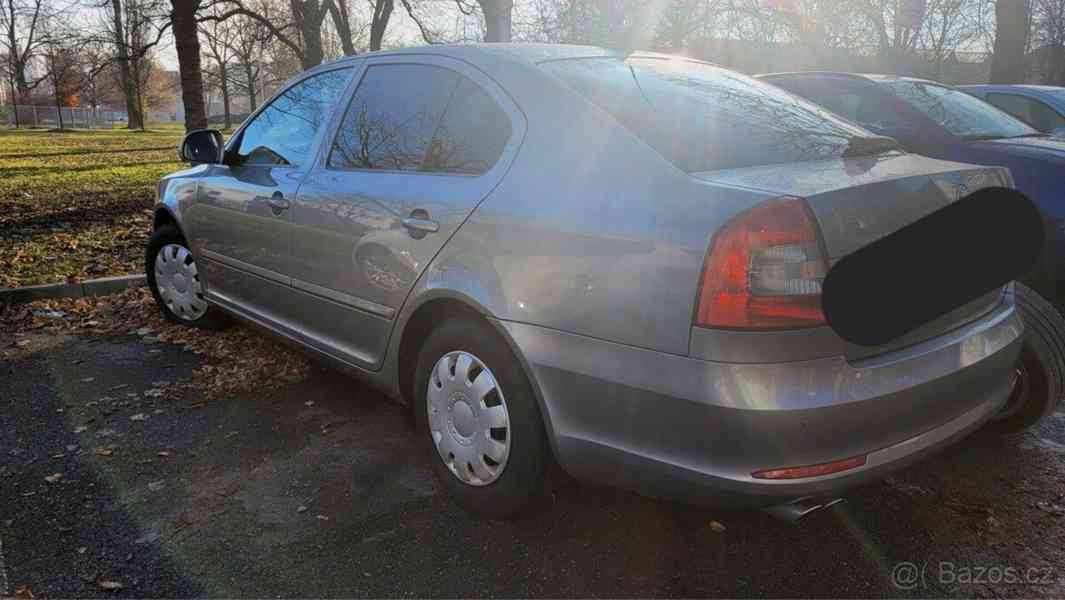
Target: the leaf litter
pixel 236 360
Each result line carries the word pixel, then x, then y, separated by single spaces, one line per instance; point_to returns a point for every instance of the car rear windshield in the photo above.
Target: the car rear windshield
pixel 705 118
pixel 959 113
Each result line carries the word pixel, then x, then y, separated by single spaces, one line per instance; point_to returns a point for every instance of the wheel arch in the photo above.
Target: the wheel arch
pixel 442 304
pixel 163 216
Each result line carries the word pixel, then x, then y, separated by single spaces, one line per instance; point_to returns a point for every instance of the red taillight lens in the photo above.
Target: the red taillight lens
pixel 764 270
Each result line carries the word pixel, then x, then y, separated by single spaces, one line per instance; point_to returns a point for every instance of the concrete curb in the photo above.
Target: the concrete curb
pixel 91 287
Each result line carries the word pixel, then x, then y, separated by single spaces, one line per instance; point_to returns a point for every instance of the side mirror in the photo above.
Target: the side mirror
pixel 201 146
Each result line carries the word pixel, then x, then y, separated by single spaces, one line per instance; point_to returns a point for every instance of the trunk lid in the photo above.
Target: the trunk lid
pixel 858 201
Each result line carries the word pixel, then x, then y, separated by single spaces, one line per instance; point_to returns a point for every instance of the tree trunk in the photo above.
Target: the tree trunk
pixel 187 41
pixel 311 32
pixel 122 53
pixel 14 101
pixel 249 76
pixel 228 115
pixel 382 13
pixel 497 15
pixel 1011 38
pixel 58 108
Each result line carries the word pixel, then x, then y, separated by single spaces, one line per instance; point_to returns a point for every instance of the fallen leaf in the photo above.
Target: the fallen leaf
pixel 88 380
pixel 156 486
pixel 23 592
pixel 322 518
pixel 164 453
pixel 104 451
pixel 717 526
pixel 80 429
pixel 301 509
pixel 110 586
pixel 139 417
pixel 54 478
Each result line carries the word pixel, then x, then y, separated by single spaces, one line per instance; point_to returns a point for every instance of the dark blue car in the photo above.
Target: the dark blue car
pixel 939 121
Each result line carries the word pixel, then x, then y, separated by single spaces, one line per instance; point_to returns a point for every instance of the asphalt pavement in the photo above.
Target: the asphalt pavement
pixel 321 489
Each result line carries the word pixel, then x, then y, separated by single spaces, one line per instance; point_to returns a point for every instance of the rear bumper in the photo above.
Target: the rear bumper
pixel 675 426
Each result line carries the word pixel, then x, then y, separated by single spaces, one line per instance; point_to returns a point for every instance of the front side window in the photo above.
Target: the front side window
pixel 705 118
pixel 1029 110
pixel 958 112
pixel 408 117
pixel 283 133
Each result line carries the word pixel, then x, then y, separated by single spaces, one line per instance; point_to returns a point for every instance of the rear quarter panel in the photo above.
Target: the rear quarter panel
pixel 591 232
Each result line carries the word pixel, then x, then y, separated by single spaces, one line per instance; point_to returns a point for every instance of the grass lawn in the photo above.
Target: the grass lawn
pixel 77 204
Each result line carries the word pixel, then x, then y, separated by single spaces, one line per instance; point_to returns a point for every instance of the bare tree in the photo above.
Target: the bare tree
pixel 22 40
pixel 61 68
pixel 249 47
pixel 1048 31
pixel 219 38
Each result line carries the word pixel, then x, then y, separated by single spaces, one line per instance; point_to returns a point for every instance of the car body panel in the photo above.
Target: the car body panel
pixel 351 249
pixel 659 422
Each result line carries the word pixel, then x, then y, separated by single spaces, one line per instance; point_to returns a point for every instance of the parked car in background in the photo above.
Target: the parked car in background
pixel 1041 106
pixel 611 260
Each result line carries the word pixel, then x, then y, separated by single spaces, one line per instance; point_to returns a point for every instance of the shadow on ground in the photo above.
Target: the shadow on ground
pixel 320 489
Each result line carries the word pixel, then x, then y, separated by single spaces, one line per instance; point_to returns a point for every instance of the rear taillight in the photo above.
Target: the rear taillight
pixel 764 270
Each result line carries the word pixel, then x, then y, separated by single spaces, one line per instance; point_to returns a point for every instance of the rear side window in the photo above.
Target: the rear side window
pixel 1029 110
pixel 866 105
pixel 705 118
pixel 472 134
pixel 409 117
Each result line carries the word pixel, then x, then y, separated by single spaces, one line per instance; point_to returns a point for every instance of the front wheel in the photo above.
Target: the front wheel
pixel 174 280
pixel 1040 370
pixel 476 409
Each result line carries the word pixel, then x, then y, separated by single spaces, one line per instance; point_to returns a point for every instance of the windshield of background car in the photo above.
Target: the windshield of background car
pixel 705 118
pixel 958 112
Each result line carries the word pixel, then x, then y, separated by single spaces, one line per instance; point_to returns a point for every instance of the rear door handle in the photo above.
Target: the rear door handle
pixel 419 224
pixel 278 203
pixel 424 225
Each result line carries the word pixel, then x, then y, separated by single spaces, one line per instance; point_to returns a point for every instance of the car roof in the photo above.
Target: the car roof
pixel 1012 86
pixel 530 53
pixel 875 77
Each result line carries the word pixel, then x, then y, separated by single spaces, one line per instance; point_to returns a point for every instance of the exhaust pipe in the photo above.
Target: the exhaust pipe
pixel 797 509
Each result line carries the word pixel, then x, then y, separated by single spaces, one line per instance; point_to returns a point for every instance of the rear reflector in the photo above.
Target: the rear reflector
pixel 764 270
pixel 812 470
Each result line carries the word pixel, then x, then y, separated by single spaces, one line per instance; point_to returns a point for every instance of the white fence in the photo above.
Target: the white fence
pixel 73 118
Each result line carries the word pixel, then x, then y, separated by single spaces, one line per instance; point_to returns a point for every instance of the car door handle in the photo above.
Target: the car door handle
pixel 278 203
pixel 414 224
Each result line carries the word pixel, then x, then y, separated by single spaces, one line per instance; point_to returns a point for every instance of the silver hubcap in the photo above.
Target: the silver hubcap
pixel 468 418
pixel 179 282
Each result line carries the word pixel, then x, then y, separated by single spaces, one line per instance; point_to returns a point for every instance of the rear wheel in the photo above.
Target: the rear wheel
pixel 1040 370
pixel 476 408
pixel 174 280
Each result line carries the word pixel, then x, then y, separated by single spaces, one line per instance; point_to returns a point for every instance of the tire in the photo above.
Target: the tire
pixel 1040 368
pixel 504 490
pixel 181 299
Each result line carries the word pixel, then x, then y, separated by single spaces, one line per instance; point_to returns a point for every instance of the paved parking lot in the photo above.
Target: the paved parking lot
pixel 320 490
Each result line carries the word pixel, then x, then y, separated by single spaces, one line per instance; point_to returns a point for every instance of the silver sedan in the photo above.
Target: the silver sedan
pixel 559 253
